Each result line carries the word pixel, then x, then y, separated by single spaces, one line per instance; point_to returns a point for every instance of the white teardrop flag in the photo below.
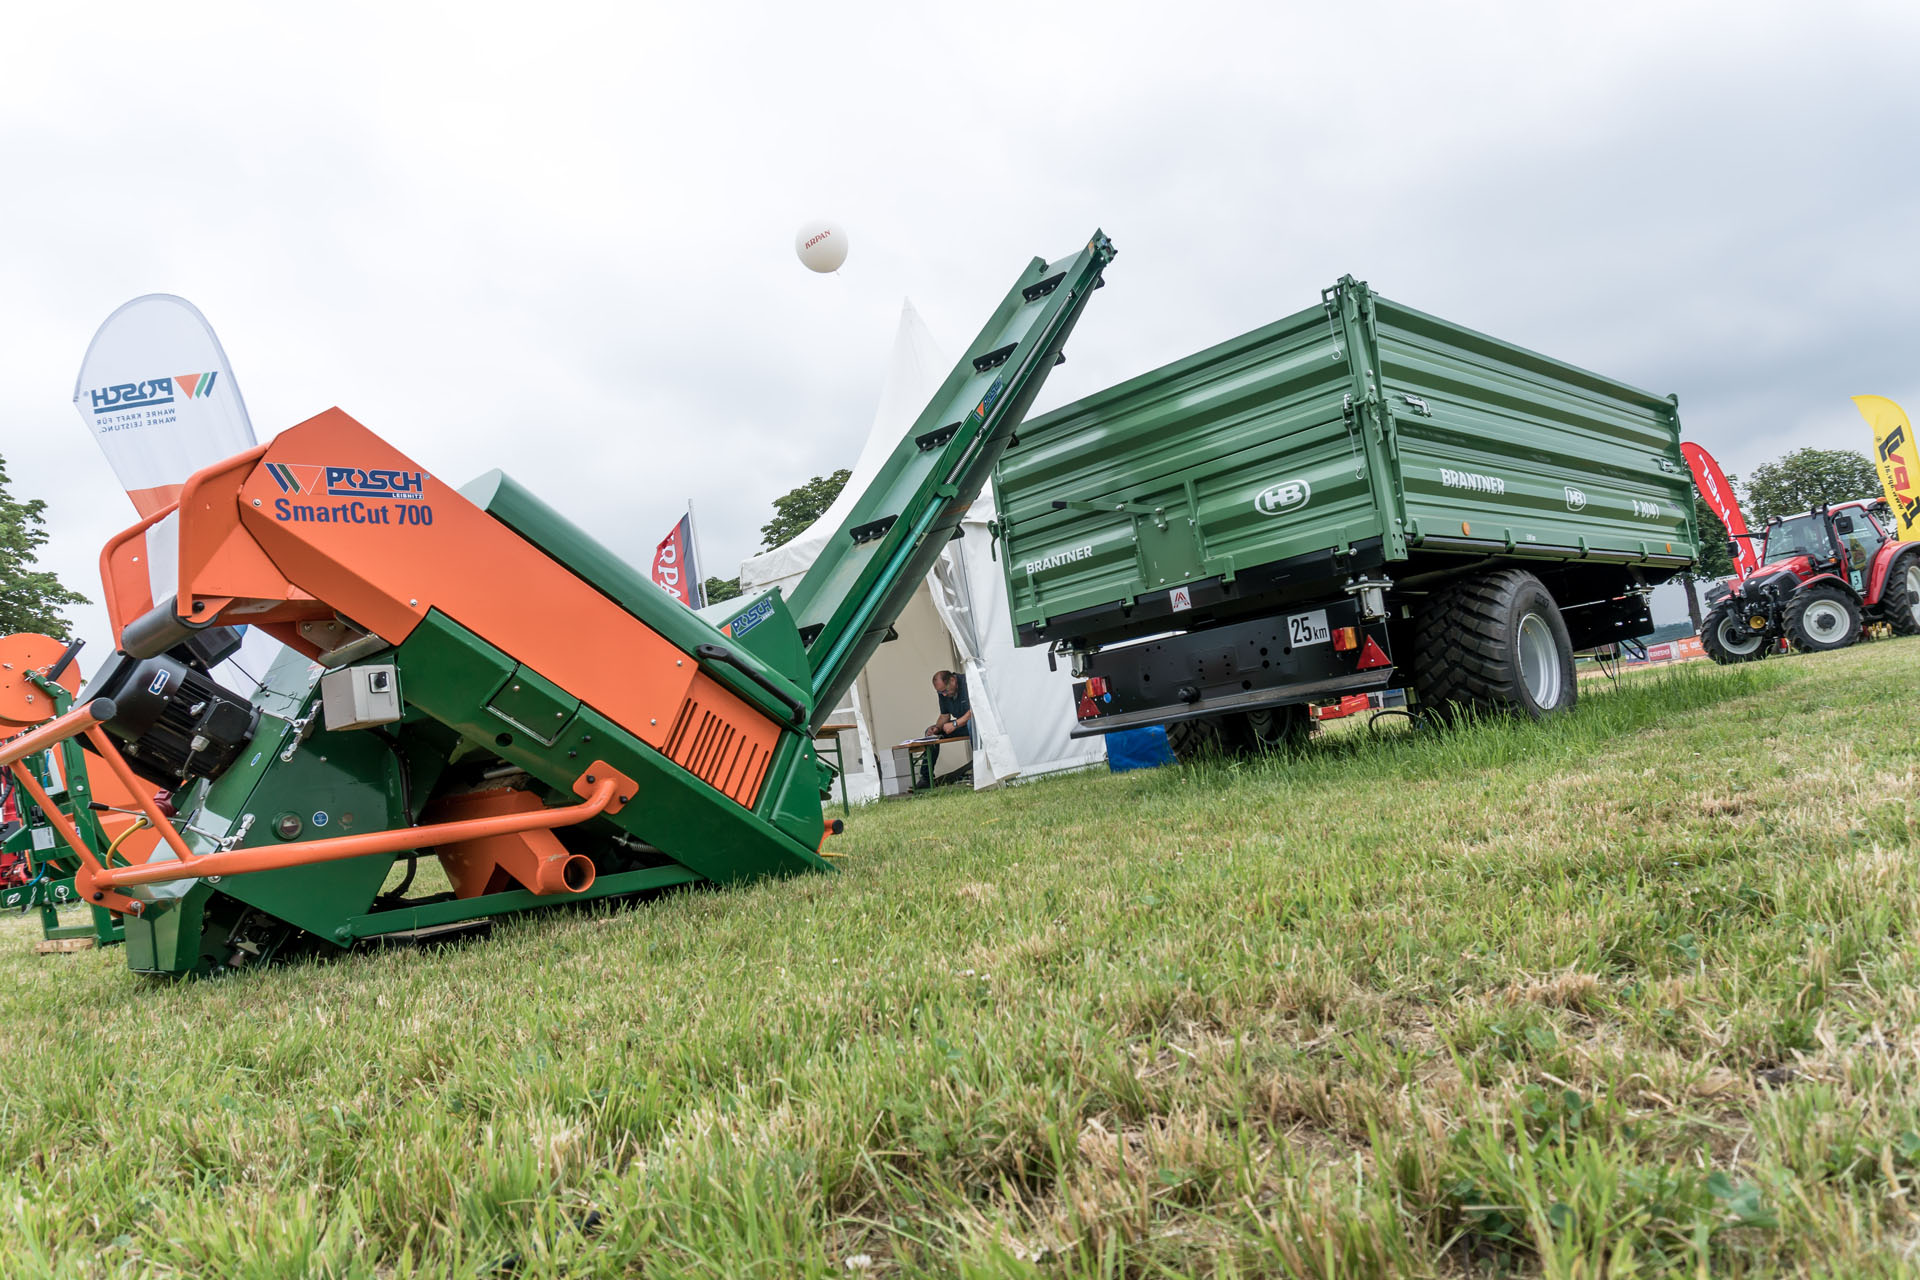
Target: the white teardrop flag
pixel 156 392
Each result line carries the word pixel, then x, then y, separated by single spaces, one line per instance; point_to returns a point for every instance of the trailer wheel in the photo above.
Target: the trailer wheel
pixel 1494 643
pixel 1823 618
pixel 1277 728
pixel 1193 740
pixel 1726 637
pixel 1900 599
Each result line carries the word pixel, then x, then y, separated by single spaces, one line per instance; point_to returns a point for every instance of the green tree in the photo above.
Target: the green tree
pixel 1805 479
pixel 793 511
pixel 799 507
pixel 30 599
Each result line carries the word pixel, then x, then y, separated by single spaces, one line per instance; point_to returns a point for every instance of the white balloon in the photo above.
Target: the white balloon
pixel 822 245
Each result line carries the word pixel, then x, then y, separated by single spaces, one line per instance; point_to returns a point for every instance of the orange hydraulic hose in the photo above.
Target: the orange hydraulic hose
pixel 233 862
pixel 55 731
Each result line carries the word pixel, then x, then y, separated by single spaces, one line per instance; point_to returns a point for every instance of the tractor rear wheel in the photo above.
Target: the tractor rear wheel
pixel 1900 598
pixel 1726 637
pixel 1494 643
pixel 1822 618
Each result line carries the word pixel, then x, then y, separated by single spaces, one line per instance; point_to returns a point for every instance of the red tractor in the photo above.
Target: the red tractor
pixel 1823 575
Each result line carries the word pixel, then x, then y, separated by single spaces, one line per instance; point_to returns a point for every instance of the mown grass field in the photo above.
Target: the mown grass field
pixel 1633 993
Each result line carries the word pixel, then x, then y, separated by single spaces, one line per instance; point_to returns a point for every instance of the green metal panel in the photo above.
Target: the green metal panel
pixel 533 704
pixel 506 501
pixel 872 565
pixel 1199 440
pixel 427 915
pixel 448 673
pixel 335 784
pixel 1524 449
pixel 1357 419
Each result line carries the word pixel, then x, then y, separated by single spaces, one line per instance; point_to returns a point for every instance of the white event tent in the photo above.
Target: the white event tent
pixel 957 620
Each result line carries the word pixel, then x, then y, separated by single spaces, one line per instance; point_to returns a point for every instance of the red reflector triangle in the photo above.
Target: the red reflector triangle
pixel 1372 656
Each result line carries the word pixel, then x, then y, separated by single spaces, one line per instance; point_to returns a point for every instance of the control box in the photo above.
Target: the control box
pixel 360 697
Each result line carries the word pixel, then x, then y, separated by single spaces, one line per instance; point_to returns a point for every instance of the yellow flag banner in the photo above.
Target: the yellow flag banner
pixel 1898 460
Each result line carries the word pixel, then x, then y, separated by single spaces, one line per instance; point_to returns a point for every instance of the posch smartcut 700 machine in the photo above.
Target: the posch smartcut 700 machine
pixel 473 678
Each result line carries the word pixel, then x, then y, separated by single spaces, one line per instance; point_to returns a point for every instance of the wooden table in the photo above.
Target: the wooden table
pixel 916 749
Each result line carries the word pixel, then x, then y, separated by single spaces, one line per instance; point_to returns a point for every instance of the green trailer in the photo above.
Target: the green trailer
pixel 1354 497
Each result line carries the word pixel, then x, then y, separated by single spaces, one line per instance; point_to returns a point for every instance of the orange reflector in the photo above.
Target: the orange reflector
pixel 1345 638
pixel 1373 656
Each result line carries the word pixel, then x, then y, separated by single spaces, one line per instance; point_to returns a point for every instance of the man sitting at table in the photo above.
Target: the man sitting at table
pixel 956 716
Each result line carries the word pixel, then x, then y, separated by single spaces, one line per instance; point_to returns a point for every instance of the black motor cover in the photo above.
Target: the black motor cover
pixel 176 722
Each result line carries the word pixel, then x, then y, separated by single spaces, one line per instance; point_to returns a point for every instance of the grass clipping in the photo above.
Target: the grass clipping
pixel 1629 993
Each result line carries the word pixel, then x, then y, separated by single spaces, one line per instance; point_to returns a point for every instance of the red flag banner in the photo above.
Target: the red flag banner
pixel 1713 486
pixel 673 568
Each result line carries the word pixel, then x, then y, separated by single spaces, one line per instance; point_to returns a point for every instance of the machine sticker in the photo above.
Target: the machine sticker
pixel 1646 510
pixel 1471 480
pixel 158 685
pixel 1182 599
pixel 750 617
pixel 1059 558
pixel 1278 499
pixel 1308 628
pixel 1576 500
pixel 369 492
pixel 319 817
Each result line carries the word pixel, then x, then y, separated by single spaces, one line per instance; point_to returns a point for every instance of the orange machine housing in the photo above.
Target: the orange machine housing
pixel 329 521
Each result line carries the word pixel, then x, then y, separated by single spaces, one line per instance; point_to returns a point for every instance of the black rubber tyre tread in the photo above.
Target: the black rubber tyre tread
pixel 1896 605
pixel 1796 616
pixel 1710 640
pixel 1465 651
pixel 1277 728
pixel 1193 740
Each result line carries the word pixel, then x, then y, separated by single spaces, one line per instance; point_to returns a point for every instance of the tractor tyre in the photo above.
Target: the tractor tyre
pixel 1494 643
pixel 1193 740
pixel 1727 638
pixel 1822 618
pixel 1900 598
pixel 1276 728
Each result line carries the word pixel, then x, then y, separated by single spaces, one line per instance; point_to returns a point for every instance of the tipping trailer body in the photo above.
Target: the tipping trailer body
pixel 1268 478
pixel 474 679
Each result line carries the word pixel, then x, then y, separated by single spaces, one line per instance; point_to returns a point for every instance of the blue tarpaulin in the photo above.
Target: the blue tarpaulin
pixel 1138 749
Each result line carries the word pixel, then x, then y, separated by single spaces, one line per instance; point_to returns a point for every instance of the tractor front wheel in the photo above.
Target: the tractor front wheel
pixel 1900 599
pixel 1726 637
pixel 1823 618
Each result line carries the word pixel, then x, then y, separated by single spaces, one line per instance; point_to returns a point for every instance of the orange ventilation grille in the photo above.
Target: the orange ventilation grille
pixel 728 752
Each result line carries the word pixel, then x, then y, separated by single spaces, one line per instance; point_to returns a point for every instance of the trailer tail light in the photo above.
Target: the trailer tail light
pixel 1092 694
pixel 1346 638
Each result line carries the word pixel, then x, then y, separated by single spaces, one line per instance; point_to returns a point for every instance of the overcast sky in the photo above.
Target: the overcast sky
pixel 558 239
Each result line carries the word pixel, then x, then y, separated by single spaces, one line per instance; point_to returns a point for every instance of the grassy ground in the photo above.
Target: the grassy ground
pixel 1631 993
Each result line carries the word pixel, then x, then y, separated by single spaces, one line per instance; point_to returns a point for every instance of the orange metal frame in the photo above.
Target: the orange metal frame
pixel 602 788
pixel 607 793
